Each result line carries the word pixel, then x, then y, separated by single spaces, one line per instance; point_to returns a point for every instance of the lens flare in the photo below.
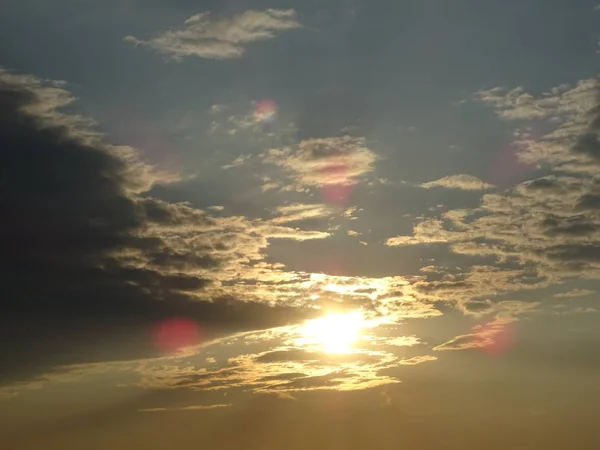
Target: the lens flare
pixel 337 190
pixel 171 335
pixel 265 111
pixel 499 338
pixel 508 168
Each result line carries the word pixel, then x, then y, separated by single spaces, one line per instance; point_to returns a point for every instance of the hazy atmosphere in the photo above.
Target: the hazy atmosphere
pixel 324 225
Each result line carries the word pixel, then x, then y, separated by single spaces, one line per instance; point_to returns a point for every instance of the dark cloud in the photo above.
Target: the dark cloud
pixel 89 266
pixel 589 145
pixel 575 253
pixel 568 226
pixel 589 202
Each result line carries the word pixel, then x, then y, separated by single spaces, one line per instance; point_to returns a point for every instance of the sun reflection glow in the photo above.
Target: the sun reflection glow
pixel 334 333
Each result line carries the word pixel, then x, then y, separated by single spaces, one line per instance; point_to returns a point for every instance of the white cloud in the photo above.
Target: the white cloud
pixel 205 36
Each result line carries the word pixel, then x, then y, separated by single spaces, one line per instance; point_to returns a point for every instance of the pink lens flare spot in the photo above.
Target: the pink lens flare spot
pixel 498 339
pixel 508 168
pixel 336 193
pixel 337 186
pixel 265 111
pixel 172 335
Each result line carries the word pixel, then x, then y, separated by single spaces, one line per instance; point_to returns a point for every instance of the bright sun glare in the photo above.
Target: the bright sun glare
pixel 334 333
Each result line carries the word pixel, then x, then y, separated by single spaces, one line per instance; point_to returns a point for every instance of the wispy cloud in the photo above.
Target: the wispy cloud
pixel 496 335
pixel 481 337
pixel 186 408
pixel 206 36
pixel 299 212
pixel 417 360
pixel 464 182
pixel 240 160
pixel 573 293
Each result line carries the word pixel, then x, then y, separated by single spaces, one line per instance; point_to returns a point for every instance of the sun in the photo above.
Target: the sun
pixel 334 333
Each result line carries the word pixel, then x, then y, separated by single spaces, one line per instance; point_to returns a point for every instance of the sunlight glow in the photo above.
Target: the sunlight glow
pixel 334 333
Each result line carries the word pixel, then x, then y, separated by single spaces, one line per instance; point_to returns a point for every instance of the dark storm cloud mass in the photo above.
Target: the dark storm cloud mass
pixel 89 266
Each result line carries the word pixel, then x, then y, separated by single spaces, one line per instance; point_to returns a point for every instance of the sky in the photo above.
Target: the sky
pixel 300 224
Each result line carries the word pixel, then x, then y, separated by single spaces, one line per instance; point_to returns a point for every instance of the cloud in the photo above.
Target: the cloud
pixel 428 232
pixel 541 232
pixel 291 365
pixel 483 336
pixel 464 182
pixel 558 104
pixel 239 161
pixel 417 360
pixel 90 258
pixel 94 264
pixel 341 161
pixel 404 341
pixel 187 408
pixel 571 112
pixel 573 293
pixel 299 212
pixel 257 123
pixel 517 104
pixel 206 36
